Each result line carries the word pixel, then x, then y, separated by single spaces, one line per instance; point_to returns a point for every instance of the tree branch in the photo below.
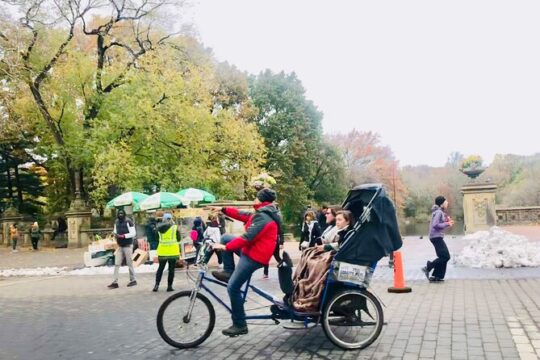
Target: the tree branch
pixel 163 98
pixel 43 74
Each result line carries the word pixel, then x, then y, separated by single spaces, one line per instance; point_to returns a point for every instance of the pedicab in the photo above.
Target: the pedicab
pixel 351 315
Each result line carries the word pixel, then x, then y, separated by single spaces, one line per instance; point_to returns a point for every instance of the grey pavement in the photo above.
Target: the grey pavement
pixel 76 317
pixel 474 314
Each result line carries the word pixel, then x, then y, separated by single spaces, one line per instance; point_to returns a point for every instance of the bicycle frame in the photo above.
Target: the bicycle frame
pixel 200 285
pixel 305 317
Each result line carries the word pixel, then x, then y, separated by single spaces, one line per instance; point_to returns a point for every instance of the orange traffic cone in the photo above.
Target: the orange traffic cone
pixel 399 279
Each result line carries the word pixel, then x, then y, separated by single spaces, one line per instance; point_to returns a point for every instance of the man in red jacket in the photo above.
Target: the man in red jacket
pixel 257 245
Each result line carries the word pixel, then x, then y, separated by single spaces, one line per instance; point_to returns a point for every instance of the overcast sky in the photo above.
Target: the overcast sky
pixel 431 77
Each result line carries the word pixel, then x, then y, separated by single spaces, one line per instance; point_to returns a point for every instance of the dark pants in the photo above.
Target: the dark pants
pixel 209 254
pixel 35 242
pixel 246 267
pixel 159 273
pixel 57 232
pixel 266 270
pixel 228 256
pixel 439 264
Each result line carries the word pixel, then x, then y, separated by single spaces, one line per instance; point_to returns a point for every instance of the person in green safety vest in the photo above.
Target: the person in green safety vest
pixel 168 249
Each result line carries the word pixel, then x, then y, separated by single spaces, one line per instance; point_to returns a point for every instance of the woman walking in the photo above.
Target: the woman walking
pixel 168 250
pixel 440 221
pixel 35 235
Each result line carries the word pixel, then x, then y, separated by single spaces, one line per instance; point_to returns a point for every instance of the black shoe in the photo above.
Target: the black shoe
pixel 113 286
pixel 222 275
pixel 132 283
pixel 235 331
pixel 169 288
pixel 435 279
pixel 426 272
pixel 155 289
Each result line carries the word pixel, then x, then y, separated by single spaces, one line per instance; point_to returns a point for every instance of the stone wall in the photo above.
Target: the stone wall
pixel 527 215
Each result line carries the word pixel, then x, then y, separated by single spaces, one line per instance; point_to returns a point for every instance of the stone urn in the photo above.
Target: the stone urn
pixel 473 172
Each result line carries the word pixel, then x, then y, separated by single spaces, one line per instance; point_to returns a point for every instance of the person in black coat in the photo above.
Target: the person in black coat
pixel 311 231
pixel 321 218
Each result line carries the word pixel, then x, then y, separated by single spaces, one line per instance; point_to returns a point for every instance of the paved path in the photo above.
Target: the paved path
pixel 475 314
pixel 78 318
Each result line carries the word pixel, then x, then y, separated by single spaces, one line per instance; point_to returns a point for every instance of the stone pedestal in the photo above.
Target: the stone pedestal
pixel 479 206
pixel 78 217
pixel 77 220
pixel 10 217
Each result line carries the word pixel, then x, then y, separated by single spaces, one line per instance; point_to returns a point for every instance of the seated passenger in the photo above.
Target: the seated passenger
pixel 329 234
pixel 344 223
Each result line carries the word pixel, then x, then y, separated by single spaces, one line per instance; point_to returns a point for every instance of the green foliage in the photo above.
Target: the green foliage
pixel 517 179
pixel 291 127
pixel 472 162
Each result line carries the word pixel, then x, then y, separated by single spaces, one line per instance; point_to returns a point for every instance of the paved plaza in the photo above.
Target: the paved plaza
pixel 474 314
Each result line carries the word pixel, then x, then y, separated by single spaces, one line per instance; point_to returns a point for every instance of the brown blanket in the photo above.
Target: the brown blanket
pixel 309 279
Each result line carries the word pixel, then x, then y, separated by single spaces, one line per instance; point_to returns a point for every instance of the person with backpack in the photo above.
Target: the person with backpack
pixel 213 232
pixel 440 221
pixel 257 245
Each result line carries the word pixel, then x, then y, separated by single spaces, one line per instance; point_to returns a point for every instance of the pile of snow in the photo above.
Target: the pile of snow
pixel 107 270
pixel 56 271
pixel 498 248
pixel 46 271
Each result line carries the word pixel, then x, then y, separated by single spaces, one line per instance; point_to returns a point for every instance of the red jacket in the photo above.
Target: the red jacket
pixel 260 239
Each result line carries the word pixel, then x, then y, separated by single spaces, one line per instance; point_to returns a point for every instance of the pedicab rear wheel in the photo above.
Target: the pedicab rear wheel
pixel 353 319
pixel 183 331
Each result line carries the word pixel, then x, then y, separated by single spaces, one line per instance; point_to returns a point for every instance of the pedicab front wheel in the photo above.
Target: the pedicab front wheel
pixel 353 319
pixel 186 319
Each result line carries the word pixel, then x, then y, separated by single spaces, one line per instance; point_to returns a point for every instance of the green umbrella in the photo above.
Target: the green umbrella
pixel 129 198
pixel 197 195
pixel 162 200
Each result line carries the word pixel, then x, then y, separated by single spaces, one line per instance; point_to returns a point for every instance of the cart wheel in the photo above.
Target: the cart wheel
pixel 177 329
pixel 353 319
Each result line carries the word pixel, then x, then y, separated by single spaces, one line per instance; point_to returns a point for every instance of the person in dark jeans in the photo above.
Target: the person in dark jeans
pixel 61 229
pixel 168 250
pixel 257 244
pixel 440 221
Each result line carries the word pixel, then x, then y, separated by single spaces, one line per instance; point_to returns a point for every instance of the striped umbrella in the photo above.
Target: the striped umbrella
pixel 126 199
pixel 161 200
pixel 198 195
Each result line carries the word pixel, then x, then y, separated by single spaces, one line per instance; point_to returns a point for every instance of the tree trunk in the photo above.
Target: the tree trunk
pixel 18 185
pixel 8 177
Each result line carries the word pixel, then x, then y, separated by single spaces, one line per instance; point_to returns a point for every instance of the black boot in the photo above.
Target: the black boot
pixel 155 289
pixel 222 275
pixel 170 288
pixel 235 331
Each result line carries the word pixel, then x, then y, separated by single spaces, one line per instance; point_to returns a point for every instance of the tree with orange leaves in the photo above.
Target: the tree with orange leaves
pixel 368 161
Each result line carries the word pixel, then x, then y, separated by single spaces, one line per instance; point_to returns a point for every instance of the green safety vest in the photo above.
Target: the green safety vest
pixel 168 243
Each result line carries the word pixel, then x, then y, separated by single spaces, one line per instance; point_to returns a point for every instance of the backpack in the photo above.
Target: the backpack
pixel 285 263
pixel 280 238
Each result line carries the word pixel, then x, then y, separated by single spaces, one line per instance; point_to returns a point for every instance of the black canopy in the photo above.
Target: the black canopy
pixel 376 232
